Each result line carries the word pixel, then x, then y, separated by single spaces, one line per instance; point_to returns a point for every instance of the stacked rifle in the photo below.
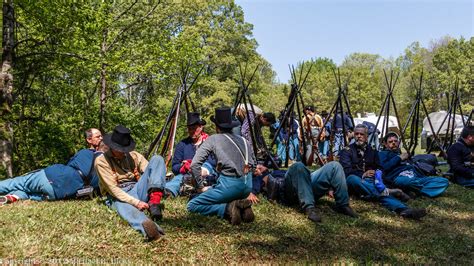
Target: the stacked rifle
pixel 171 123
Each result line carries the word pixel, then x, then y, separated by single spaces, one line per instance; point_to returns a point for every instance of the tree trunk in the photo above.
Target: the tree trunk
pixel 6 88
pixel 103 81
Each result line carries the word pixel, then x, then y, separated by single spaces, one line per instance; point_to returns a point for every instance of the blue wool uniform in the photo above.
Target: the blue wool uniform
pixel 66 179
pixel 231 153
pixel 55 182
pixel 405 176
pixel 185 150
pixel 357 160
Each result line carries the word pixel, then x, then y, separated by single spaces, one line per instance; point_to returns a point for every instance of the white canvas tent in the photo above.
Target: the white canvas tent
pixel 372 118
pixel 437 118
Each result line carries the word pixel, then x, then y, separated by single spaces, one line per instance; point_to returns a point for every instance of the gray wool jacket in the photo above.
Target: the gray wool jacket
pixel 230 161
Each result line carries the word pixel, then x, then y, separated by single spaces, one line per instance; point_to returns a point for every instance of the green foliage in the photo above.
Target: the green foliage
pixel 66 50
pixel 141 47
pixel 447 60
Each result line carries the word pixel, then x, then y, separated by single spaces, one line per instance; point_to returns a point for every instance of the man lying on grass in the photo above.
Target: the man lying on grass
pixel 77 178
pixel 298 186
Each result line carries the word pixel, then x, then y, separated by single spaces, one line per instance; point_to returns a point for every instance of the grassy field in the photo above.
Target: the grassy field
pixel 88 231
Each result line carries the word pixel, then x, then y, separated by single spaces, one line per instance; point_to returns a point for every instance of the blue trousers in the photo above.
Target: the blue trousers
pixel 338 142
pixel 305 188
pixel 324 148
pixel 464 181
pixel 34 185
pixel 214 200
pixel 298 188
pixel 293 153
pixel 331 176
pixel 174 184
pixel 153 177
pixel 428 186
pixel 365 188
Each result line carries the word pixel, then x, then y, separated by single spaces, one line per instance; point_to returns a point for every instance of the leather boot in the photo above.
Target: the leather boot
pixel 346 210
pixel 246 211
pixel 412 213
pixel 312 214
pixel 156 211
pixel 232 213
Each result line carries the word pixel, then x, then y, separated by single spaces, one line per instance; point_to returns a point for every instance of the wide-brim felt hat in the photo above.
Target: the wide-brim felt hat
pixel 194 118
pixel 223 118
pixel 120 139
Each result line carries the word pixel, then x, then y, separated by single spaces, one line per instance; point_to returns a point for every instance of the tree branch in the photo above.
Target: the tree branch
pixel 126 88
pixel 125 12
pixel 129 26
pixel 52 53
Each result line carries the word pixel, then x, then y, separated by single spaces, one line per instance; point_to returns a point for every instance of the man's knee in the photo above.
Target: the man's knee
pixel 156 161
pixel 191 207
pixel 336 169
pixel 403 181
pixel 298 170
pixel 298 166
pixel 353 180
pixel 443 181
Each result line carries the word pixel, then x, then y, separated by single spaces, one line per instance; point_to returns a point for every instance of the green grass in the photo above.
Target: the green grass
pixel 88 230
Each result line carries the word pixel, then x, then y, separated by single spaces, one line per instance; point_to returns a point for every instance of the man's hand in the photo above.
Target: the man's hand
pixel 185 166
pixel 142 206
pixel 203 189
pixel 331 194
pixel 369 173
pixel 204 172
pixel 404 156
pixel 253 198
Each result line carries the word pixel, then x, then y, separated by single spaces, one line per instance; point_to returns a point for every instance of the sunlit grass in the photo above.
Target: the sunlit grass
pixel 88 230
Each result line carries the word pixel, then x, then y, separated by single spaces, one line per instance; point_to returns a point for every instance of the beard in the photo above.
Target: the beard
pixel 360 143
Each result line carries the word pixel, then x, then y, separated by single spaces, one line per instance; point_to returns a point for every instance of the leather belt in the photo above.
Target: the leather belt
pixel 126 184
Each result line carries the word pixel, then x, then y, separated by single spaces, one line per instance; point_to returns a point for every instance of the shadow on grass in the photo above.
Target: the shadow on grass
pixel 279 234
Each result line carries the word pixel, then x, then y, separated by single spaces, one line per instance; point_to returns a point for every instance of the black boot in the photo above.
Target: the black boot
pixel 412 213
pixel 346 210
pixel 312 214
pixel 167 194
pixel 232 213
pixel 246 211
pixel 399 194
pixel 156 211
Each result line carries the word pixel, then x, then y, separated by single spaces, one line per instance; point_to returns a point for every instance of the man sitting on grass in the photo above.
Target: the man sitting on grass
pixel 399 173
pixel 298 186
pixel 360 163
pixel 235 160
pixel 184 153
pixel 131 183
pixel 461 158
